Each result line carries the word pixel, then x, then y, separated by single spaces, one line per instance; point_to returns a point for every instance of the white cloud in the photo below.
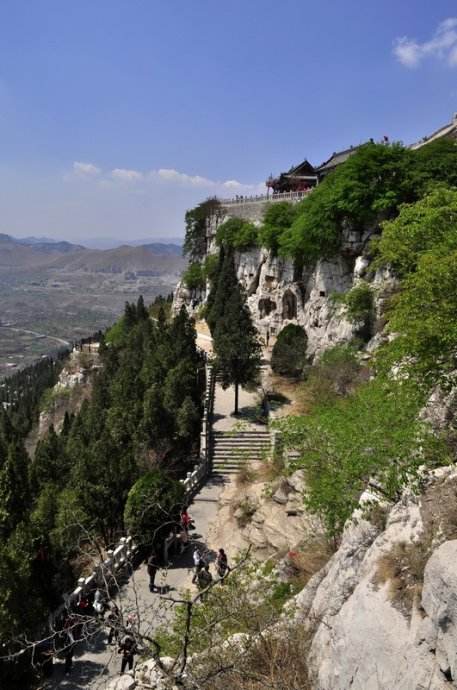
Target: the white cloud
pixel 126 175
pixel 442 45
pixel 85 169
pixel 171 176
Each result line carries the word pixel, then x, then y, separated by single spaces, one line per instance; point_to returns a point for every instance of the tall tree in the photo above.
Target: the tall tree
pixel 235 339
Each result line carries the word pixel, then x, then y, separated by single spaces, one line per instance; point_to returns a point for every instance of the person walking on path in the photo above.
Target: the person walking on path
pixel 199 563
pixel 186 520
pixel 152 570
pixel 204 579
pixel 128 650
pixel 222 564
pixel 113 620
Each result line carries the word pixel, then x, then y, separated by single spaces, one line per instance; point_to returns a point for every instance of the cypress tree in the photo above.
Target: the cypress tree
pixel 235 339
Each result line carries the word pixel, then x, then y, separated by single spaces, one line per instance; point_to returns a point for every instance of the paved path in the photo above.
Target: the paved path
pixel 96 663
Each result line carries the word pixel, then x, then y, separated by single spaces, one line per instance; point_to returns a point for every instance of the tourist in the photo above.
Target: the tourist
pixel 204 579
pixel 222 564
pixel 186 520
pixel 168 547
pixel 199 563
pixel 128 649
pixel 183 540
pixel 152 570
pixel 99 603
pixel 113 623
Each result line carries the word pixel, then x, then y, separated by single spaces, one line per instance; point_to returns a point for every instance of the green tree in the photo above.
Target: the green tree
pixel 188 419
pixel 235 339
pixel 424 315
pixel 152 506
pixel 278 218
pixel 197 220
pixel 194 277
pixel 420 227
pixel 222 288
pixel 50 462
pixel 238 234
pixel 288 357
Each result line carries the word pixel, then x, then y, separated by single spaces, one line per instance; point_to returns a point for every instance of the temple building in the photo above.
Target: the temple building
pixel 336 159
pixel 448 131
pixel 300 178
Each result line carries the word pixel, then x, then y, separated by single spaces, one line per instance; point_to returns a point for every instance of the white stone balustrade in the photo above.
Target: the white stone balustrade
pixel 262 198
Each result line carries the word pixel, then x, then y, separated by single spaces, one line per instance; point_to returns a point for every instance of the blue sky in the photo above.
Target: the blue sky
pixel 117 115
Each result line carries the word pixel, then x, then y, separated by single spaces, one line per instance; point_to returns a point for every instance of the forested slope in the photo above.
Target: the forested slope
pixel 143 419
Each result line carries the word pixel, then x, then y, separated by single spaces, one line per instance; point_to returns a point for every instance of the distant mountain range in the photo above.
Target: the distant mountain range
pixel 173 243
pixel 154 258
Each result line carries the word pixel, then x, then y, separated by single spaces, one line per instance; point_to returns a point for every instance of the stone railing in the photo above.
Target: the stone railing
pixel 118 559
pixel 262 198
pixel 196 478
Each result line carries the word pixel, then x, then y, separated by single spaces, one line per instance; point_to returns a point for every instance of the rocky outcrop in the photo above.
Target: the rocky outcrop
pixel 270 517
pixel 280 292
pixel 384 610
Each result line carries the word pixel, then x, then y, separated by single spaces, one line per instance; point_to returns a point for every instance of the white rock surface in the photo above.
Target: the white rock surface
pixel 362 638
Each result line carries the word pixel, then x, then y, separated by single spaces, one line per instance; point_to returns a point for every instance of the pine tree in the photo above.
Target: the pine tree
pixel 141 311
pixel 235 340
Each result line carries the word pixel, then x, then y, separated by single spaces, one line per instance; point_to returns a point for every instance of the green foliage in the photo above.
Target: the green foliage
pixel 249 601
pixel 210 267
pixel 279 216
pixel 372 435
pixel 424 315
pixel 359 302
pixel 368 187
pixel 420 227
pixel 237 233
pixel 161 303
pixel 421 247
pixel 289 352
pixel 221 289
pixel 235 339
pixel 197 220
pixel 334 375
pixel 152 506
pixel 194 276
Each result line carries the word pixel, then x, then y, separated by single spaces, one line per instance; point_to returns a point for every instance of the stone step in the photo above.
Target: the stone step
pixel 250 432
pixel 236 443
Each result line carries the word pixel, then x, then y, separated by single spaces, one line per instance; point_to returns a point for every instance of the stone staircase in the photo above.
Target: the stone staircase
pixel 231 450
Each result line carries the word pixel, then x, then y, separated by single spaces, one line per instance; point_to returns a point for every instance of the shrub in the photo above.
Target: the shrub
pixel 237 233
pixel 374 434
pixel 419 228
pixel 194 277
pixel 403 569
pixel 359 303
pixel 289 352
pixel 334 376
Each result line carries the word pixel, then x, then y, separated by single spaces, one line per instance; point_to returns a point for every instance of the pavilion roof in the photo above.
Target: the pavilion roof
pixel 337 158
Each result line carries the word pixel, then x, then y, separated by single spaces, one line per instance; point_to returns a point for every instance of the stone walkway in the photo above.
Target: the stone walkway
pixel 96 664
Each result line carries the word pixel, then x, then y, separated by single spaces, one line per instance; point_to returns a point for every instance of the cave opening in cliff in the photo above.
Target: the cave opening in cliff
pixel 289 305
pixel 266 306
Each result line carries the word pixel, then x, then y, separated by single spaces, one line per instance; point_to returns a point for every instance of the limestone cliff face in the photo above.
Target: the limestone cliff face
pixel 384 609
pixel 280 292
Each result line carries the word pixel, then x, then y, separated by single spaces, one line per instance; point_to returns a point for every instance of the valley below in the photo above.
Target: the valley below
pixel 50 298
